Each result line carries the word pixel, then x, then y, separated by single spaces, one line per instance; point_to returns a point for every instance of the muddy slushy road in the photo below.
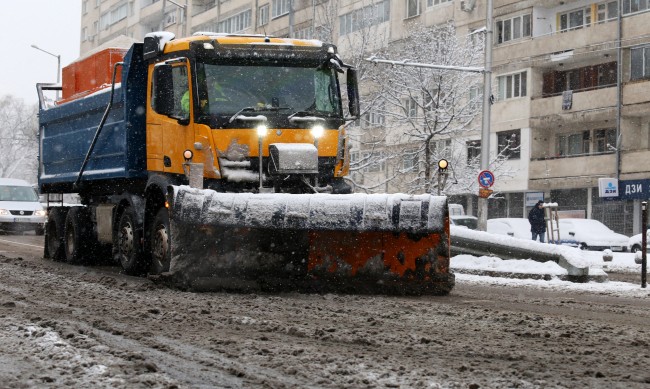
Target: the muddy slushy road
pixel 76 326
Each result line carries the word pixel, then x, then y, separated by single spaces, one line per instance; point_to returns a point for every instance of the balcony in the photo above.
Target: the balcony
pixel 587 106
pixel 587 43
pixel 152 13
pixel 571 172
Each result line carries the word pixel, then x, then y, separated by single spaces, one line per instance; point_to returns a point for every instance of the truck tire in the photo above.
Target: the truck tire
pixel 160 250
pixel 129 249
pixel 77 237
pixel 55 228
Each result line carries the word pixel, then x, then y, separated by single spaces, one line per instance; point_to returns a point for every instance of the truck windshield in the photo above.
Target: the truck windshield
pixel 226 89
pixel 17 193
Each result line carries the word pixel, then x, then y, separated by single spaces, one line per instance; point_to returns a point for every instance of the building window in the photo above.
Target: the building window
pixel 84 34
pixel 113 16
pixel 84 7
pixel 631 6
pixel 410 160
pixel 170 18
pixel 514 28
pixel 304 33
pixel 605 140
pixel 375 117
pixel 411 107
pixel 475 98
pixel 236 23
pixel 105 20
pixel 512 85
pixel 431 3
pixel 473 151
pixel 640 63
pixel 364 17
pixel 607 11
pixel 281 7
pixel 441 148
pixel 263 15
pixel 575 19
pixel 412 8
pixel 573 144
pixel 509 144
pixel 95 27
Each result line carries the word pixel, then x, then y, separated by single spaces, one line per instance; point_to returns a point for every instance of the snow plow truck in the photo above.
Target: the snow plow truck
pixel 217 162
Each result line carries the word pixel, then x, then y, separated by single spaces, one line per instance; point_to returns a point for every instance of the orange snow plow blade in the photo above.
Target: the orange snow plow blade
pixel 384 244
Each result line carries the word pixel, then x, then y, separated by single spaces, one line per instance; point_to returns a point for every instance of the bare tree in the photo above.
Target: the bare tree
pixel 430 114
pixel 18 139
pixel 359 33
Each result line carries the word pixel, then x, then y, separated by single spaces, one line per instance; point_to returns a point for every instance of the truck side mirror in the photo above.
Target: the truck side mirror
pixel 163 90
pixel 353 92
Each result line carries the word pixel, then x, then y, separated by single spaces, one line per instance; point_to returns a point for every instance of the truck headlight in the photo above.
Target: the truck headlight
pixel 4 212
pixel 261 131
pixel 40 212
pixel 317 131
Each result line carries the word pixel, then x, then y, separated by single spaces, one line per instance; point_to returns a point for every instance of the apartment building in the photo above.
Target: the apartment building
pixel 571 83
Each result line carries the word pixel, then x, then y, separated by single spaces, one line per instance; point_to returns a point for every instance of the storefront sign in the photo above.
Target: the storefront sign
pixel 533 197
pixel 608 187
pixel 634 189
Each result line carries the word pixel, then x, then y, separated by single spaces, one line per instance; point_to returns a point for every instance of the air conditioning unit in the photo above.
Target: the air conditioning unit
pixel 467 5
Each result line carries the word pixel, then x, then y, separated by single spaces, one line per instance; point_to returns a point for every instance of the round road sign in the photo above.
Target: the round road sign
pixel 486 178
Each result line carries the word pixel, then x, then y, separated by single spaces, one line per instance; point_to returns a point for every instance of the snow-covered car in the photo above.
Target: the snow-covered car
pixel 634 243
pixel 591 235
pixel 20 209
pixel 515 227
pixel 470 222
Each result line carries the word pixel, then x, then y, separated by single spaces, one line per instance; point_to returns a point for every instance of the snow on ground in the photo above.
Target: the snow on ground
pixel 621 263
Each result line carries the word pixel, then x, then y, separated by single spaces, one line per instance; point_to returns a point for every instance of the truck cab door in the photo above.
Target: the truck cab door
pixel 169 113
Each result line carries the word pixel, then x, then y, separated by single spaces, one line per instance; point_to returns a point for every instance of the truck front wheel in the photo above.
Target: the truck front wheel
pixel 129 248
pixel 160 254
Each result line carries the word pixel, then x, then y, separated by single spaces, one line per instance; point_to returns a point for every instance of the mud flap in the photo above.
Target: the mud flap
pixel 392 244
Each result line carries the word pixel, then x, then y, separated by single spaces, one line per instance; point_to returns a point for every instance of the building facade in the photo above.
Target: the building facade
pixel 571 82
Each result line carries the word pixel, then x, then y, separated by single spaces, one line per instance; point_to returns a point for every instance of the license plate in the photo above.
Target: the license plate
pixel 20 219
pixel 617 248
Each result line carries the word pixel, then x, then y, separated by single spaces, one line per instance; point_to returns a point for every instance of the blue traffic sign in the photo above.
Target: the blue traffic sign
pixel 486 178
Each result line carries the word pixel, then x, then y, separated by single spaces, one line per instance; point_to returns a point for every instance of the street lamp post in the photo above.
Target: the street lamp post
pixel 58 69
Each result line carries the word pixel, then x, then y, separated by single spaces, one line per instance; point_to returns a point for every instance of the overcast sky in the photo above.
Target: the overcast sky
pixel 53 25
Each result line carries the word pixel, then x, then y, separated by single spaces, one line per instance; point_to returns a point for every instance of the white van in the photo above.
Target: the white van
pixel 20 209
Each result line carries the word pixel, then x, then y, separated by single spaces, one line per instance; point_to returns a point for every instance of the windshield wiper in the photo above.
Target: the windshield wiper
pixel 308 116
pixel 245 109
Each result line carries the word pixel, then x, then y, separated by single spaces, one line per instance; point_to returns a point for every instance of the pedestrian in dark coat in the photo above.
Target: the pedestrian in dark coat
pixel 537 222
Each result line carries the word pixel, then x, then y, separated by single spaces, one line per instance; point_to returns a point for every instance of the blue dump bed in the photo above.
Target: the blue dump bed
pixel 119 155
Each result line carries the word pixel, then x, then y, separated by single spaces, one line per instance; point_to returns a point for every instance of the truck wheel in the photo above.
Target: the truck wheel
pixel 55 227
pixel 77 236
pixel 160 253
pixel 40 231
pixel 129 249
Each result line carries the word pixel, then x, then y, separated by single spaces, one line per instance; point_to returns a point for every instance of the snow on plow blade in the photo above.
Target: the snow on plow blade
pixel 356 243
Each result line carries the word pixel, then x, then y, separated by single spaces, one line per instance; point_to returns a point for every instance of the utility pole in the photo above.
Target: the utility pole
pixel 487 101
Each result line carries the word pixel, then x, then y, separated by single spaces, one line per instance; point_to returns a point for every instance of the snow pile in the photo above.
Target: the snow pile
pixel 506 266
pixel 573 255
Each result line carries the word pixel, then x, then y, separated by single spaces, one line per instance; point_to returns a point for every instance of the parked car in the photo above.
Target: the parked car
pixel 634 243
pixel 592 235
pixel 470 222
pixel 20 209
pixel 515 227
